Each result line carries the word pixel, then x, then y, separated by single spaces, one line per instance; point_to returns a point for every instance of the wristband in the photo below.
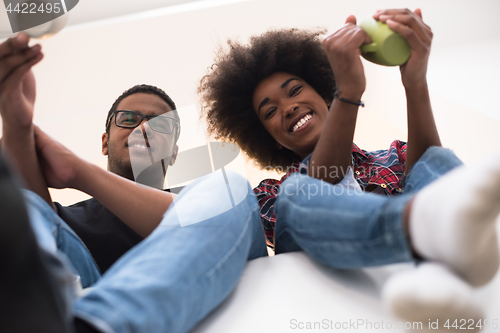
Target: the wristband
pixel 345 100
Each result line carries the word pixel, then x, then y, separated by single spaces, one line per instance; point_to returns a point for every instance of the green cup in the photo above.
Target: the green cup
pixel 388 48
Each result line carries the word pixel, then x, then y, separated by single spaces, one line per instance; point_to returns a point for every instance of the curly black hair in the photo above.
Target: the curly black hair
pixel 143 89
pixel 227 90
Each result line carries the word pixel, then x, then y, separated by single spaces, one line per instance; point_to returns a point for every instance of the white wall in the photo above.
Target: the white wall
pixel 86 67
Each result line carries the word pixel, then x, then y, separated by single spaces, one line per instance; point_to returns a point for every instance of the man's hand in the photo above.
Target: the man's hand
pixel 418 34
pixel 17 83
pixel 343 51
pixel 59 165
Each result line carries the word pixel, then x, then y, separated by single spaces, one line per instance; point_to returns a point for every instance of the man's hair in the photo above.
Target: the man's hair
pixel 227 90
pixel 143 89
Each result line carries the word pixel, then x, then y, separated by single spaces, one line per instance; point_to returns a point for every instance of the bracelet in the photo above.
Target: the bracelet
pixel 345 100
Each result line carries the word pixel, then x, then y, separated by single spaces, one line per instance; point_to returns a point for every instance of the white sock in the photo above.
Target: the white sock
pixel 432 295
pixel 453 221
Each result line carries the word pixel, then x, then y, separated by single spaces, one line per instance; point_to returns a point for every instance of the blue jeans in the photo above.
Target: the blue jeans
pixel 345 229
pixel 178 274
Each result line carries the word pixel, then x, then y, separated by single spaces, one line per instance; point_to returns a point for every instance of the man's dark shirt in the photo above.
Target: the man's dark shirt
pixel 104 234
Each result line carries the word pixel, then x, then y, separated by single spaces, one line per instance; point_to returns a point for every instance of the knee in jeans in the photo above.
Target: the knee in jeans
pixel 239 187
pixel 299 188
pixel 437 158
pixel 293 186
pixel 235 179
pixel 291 192
pixel 440 153
pixel 220 182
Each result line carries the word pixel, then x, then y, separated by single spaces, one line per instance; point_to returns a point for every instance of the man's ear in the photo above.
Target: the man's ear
pixel 174 155
pixel 104 138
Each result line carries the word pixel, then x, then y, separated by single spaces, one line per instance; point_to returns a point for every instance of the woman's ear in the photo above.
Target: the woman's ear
pixel 328 103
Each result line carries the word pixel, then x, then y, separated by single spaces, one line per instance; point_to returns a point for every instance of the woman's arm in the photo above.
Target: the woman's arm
pixel 422 130
pixel 332 155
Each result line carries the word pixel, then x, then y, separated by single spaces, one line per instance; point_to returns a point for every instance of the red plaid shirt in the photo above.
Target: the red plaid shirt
pixel 378 171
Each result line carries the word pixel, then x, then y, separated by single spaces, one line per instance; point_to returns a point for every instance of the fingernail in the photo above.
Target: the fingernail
pixel 22 38
pixel 36 48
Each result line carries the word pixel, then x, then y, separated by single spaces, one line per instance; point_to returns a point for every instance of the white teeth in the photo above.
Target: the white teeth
pixel 137 145
pixel 301 122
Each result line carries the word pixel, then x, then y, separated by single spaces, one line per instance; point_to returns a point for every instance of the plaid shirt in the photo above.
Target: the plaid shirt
pixel 378 171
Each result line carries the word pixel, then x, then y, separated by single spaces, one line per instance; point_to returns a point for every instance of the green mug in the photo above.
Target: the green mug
pixel 388 48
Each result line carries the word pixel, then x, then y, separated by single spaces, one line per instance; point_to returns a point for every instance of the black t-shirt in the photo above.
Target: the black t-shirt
pixel 104 234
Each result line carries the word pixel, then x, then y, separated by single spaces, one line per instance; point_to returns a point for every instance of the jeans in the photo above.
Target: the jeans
pixel 178 274
pixel 346 229
pixel 55 236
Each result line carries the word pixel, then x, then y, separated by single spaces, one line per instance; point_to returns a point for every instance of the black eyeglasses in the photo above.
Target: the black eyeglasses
pixel 132 119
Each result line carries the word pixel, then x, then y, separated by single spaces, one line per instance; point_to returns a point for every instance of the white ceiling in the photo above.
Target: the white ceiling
pixel 96 10
pixel 92 11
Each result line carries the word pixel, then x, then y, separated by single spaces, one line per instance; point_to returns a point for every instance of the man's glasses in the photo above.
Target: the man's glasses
pixel 132 119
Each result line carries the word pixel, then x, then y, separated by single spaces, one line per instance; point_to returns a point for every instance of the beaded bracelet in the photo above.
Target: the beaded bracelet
pixel 345 100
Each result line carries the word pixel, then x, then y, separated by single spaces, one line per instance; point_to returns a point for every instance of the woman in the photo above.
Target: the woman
pixel 278 100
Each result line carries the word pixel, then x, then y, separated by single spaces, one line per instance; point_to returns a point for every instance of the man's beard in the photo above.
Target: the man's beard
pixel 120 167
pixel 145 173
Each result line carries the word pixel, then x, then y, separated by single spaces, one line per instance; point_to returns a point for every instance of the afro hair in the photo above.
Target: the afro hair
pixel 227 90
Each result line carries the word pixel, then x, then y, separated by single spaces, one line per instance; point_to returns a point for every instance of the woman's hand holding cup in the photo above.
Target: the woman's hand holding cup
pixel 343 51
pixel 418 35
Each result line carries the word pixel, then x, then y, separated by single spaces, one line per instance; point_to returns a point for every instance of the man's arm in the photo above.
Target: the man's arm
pixel 334 147
pixel 422 130
pixel 141 208
pixel 17 99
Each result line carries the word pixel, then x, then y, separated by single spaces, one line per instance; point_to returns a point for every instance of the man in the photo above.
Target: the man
pixel 144 154
pixel 182 270
pixel 137 150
